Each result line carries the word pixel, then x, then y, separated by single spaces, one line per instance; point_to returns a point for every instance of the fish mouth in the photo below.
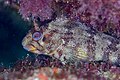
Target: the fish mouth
pixel 32 49
pixel 29 48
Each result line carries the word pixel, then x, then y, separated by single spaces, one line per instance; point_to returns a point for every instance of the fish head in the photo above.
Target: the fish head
pixel 33 41
pixel 47 40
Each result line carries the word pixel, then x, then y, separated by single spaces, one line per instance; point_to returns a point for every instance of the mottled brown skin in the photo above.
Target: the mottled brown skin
pixel 73 41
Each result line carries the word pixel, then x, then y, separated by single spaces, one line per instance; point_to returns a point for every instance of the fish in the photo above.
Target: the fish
pixel 72 41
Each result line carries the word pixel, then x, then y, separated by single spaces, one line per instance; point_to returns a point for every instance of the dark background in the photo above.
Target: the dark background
pixel 12 30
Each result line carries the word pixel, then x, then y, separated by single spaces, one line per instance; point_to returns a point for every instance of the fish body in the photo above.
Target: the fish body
pixel 71 41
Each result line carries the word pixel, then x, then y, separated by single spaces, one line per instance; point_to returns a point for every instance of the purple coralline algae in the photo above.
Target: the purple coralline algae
pixel 36 8
pixel 75 40
pixel 103 15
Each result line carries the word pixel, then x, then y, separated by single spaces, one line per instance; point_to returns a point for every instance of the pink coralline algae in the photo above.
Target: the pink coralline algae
pixel 103 15
pixel 36 8
pixel 85 71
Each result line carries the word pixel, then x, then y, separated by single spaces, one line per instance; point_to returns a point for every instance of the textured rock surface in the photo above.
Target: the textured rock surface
pixel 102 15
pixel 36 8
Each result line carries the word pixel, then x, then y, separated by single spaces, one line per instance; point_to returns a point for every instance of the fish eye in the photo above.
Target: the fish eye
pixel 36 36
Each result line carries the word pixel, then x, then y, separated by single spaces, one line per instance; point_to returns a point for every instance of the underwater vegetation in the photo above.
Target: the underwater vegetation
pixel 26 70
pixel 101 14
pixel 36 8
pixel 81 40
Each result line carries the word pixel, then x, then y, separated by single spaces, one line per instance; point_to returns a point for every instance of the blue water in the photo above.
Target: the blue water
pixel 12 30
